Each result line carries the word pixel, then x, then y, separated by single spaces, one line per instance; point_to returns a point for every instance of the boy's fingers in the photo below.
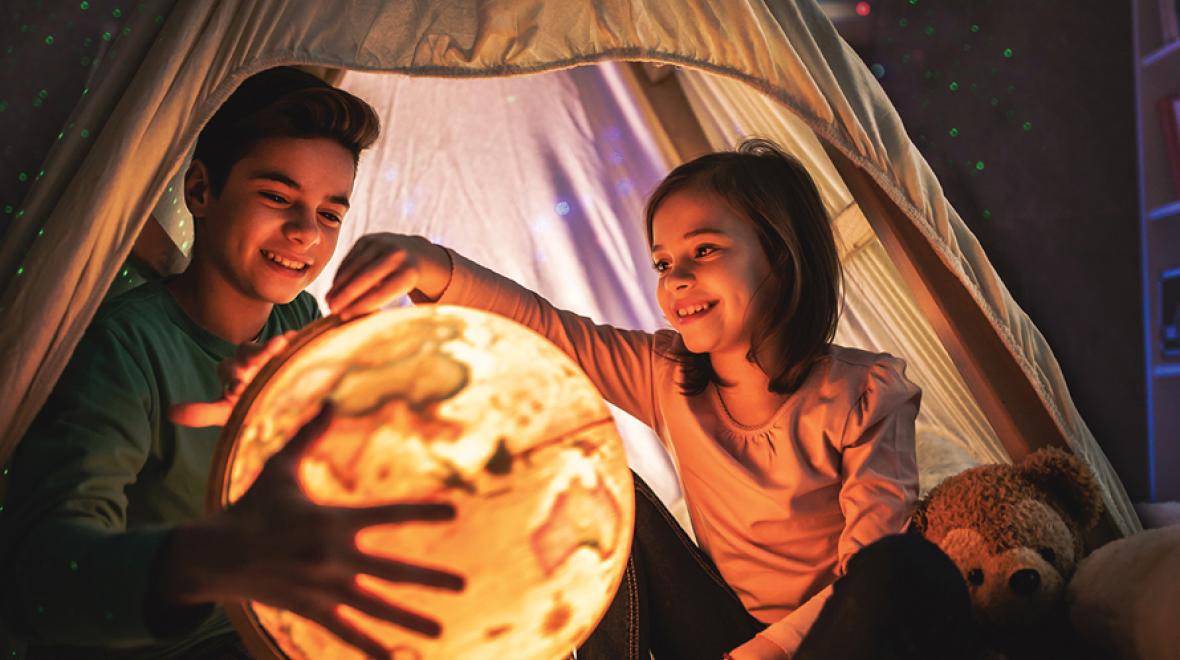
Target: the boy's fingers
pixel 401 512
pixel 392 570
pixel 348 633
pixel 392 287
pixel 374 274
pixel 201 414
pixel 379 608
pixel 310 432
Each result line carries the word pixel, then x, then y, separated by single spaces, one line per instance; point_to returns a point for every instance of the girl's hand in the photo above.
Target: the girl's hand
pixel 381 268
pixel 275 546
pixel 758 649
pixel 235 373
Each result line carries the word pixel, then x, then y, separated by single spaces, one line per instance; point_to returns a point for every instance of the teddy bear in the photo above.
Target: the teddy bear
pixel 1016 533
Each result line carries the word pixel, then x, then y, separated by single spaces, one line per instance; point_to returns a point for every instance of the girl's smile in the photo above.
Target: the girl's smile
pixel 710 264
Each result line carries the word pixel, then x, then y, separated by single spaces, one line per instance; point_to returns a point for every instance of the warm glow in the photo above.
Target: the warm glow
pixel 449 403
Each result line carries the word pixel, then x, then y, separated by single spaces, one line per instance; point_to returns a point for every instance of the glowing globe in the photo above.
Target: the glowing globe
pixel 458 405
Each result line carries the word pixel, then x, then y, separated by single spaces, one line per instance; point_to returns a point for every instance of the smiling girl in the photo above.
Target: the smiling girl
pixel 793 452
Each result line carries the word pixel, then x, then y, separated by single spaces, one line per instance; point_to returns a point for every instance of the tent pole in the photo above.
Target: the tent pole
pixel 664 100
pixel 1006 396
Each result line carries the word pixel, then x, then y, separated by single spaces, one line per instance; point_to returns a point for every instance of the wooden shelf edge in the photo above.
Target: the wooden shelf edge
pixel 1169 209
pixel 1160 53
pixel 1166 371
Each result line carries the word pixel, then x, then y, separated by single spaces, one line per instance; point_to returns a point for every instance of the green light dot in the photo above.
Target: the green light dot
pixel 8 211
pixel 929 30
pixel 43 94
pixel 184 245
pixel 954 86
pixel 913 2
pixel 20 271
pixel 975 28
pixel 73 565
pixel 4 472
pixel 126 31
pixel 106 36
pixel 1027 125
pixel 85 133
pixel 85 91
pixel 20 213
pixel 40 232
pixel 40 174
pixel 49 40
pixel 84 5
pixel 1007 52
pixel 954 132
pixel 979 165
pixel 24 27
pixel 117 13
pixel 125 272
pixel 987 215
pixel 22 177
pixel 903 22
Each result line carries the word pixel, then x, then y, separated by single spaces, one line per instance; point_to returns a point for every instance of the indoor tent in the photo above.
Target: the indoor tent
pixel 543 177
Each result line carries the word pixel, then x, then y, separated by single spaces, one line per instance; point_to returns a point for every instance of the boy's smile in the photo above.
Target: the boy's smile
pixel 710 264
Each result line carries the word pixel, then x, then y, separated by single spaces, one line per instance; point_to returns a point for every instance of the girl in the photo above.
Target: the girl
pixel 793 452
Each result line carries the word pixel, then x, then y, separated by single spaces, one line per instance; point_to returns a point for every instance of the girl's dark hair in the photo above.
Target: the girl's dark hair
pixel 799 302
pixel 283 102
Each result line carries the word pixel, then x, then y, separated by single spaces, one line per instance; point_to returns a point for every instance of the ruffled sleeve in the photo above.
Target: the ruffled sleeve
pixel 879 468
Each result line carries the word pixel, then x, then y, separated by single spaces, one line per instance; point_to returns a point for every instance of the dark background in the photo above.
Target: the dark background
pixel 1025 110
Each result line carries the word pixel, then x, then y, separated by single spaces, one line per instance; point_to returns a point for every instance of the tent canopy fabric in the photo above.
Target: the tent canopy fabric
pixel 782 61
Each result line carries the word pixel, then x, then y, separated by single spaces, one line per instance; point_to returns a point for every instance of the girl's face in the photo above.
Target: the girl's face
pixel 710 263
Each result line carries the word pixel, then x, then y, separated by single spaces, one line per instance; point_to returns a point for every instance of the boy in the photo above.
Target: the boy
pixel 105 548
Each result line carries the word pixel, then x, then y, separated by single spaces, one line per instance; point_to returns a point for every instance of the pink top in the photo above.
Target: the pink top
pixel 779 508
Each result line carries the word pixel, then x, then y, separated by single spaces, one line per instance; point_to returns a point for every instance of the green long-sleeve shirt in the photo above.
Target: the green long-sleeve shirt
pixel 102 476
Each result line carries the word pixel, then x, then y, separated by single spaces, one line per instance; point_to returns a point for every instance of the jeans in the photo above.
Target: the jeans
pixel 672 601
pixel 901 597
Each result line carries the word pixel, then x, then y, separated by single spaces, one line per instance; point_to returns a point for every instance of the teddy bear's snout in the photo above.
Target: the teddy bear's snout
pixel 1024 582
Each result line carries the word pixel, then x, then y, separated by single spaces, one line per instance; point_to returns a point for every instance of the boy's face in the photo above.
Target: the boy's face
pixel 274 225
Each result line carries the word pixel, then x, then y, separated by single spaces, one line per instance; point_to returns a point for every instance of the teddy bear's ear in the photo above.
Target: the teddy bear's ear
pixel 1068 479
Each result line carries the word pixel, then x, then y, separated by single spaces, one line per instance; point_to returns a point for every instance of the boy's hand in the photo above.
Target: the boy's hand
pixel 381 268
pixel 277 547
pixel 235 373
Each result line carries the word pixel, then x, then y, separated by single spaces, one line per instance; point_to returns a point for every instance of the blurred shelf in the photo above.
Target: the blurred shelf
pixel 1164 211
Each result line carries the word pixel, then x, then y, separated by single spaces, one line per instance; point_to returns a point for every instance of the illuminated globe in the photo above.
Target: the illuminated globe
pixel 459 405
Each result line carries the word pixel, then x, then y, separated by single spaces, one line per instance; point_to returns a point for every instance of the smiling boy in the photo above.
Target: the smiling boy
pixel 106 550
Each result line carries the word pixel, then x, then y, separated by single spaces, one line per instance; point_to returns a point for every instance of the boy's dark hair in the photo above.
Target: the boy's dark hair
pixel 800 300
pixel 282 102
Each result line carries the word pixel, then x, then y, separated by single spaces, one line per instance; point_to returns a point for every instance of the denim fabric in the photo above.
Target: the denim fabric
pixel 900 598
pixel 672 602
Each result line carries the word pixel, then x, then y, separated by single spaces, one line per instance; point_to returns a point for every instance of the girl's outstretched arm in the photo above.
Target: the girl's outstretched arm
pixel 382 267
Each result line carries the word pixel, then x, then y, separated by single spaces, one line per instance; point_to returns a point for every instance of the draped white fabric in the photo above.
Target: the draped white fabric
pixel 539 177
pixel 147 110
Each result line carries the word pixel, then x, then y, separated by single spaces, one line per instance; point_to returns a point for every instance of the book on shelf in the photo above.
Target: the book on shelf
pixel 1169 20
pixel 1169 112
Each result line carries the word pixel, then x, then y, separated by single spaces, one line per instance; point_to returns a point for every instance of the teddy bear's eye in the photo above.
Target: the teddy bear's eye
pixel 1047 554
pixel 975 576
